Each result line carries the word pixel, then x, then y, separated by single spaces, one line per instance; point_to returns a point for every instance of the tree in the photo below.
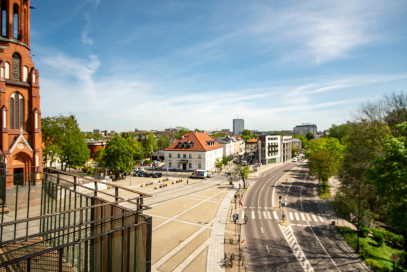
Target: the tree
pixel 340 131
pixel 324 158
pixel 295 151
pixel 246 132
pixel 118 156
pixel 388 173
pixel 218 164
pixel 304 140
pixel 181 131
pixel 309 136
pixel 137 148
pixel 150 145
pixel 163 141
pixel 62 136
pixel 243 172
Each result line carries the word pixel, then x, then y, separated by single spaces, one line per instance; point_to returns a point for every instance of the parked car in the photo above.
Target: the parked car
pixel 141 174
pixel 208 176
pixel 147 175
pixel 295 159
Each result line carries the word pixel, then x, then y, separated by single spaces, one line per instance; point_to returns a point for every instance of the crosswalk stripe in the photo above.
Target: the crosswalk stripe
pixel 291 215
pixel 253 217
pixel 264 215
pixel 321 219
pixel 297 217
pixel 275 215
pixel 259 214
pixel 269 215
pixel 308 217
pixel 303 217
pixel 314 217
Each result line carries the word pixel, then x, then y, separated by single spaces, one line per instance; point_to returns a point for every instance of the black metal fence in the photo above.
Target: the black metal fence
pixel 70 223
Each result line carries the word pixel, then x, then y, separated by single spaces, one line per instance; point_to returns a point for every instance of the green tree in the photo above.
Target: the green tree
pixel 324 158
pixel 163 141
pixel 118 156
pixel 243 172
pixel 149 145
pixel 246 132
pixel 389 175
pixel 295 151
pixel 340 131
pixel 304 140
pixel 181 131
pixel 137 148
pixel 309 136
pixel 218 164
pixel 62 136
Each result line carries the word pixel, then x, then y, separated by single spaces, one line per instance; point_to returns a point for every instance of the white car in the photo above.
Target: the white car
pixel 295 159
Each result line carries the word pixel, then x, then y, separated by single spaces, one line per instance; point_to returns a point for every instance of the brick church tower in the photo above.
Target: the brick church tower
pixel 20 140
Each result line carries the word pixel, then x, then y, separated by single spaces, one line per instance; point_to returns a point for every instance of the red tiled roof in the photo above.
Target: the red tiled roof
pixel 201 142
pixel 251 141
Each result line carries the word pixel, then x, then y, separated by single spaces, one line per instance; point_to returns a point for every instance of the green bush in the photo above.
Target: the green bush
pixel 364 232
pixel 376 266
pixel 392 239
pixel 378 237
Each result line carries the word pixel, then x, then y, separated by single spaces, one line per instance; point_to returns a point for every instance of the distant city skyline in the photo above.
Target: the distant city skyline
pixel 121 65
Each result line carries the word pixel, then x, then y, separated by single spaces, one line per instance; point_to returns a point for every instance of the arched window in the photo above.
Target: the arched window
pixel 16 111
pixel 7 70
pixel 16 75
pixel 15 21
pixel 3 19
pixel 25 73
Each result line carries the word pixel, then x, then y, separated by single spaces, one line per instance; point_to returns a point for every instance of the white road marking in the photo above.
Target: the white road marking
pixel 253 217
pixel 321 219
pixel 314 217
pixel 297 217
pixel 308 217
pixel 259 214
pixel 264 215
pixel 268 250
pixel 323 247
pixel 290 238
pixel 291 216
pixel 262 230
pixel 269 215
pixel 275 215
pixel 303 217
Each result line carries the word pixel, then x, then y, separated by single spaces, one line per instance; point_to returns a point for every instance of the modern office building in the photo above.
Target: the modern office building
pixel 238 126
pixel 275 148
pixel 304 129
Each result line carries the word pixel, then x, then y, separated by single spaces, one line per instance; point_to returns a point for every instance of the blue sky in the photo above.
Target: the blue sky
pixel 127 64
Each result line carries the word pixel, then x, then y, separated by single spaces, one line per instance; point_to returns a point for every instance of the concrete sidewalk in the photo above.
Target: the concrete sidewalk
pixel 216 247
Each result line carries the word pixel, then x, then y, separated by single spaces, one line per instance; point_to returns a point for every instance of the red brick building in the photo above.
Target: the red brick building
pixel 20 140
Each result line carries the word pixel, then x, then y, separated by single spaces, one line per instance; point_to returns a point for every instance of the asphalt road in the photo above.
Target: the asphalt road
pixel 305 241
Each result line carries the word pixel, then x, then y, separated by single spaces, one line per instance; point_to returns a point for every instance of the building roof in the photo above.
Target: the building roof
pixel 251 141
pixel 193 141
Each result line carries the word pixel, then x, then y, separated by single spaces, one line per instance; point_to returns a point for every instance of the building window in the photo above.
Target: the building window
pixel 36 120
pixel 3 19
pixel 15 21
pixel 184 156
pixel 190 156
pixel 169 155
pixel 199 165
pixel 199 156
pixel 16 111
pixel 25 74
pixel 7 70
pixel 4 118
pixel 190 165
pixel 16 65
pixel 178 156
pixel 169 164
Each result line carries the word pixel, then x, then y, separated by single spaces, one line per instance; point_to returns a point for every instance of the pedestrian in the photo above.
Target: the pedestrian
pixel 187 181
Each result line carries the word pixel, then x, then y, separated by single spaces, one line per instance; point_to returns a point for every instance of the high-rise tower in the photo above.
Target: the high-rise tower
pixel 238 126
pixel 20 140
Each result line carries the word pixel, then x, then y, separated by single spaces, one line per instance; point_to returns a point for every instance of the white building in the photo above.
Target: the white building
pixel 275 148
pixel 229 144
pixel 193 151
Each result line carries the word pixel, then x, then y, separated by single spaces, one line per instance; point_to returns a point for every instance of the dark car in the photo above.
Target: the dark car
pixel 159 174
pixel 141 174
pixel 155 175
pixel 135 174
pixel 147 175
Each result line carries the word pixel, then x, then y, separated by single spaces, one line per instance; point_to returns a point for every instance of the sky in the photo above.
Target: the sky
pixel 131 64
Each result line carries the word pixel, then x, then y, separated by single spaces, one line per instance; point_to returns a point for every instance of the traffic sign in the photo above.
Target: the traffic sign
pixel 394 257
pixel 319 185
pixel 283 215
pixel 282 204
pixel 235 217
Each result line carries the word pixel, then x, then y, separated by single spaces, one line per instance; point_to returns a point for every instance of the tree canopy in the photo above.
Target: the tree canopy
pixel 324 158
pixel 118 155
pixel 64 140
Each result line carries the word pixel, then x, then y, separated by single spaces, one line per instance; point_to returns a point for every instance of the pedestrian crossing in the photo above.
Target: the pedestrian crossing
pixel 292 216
